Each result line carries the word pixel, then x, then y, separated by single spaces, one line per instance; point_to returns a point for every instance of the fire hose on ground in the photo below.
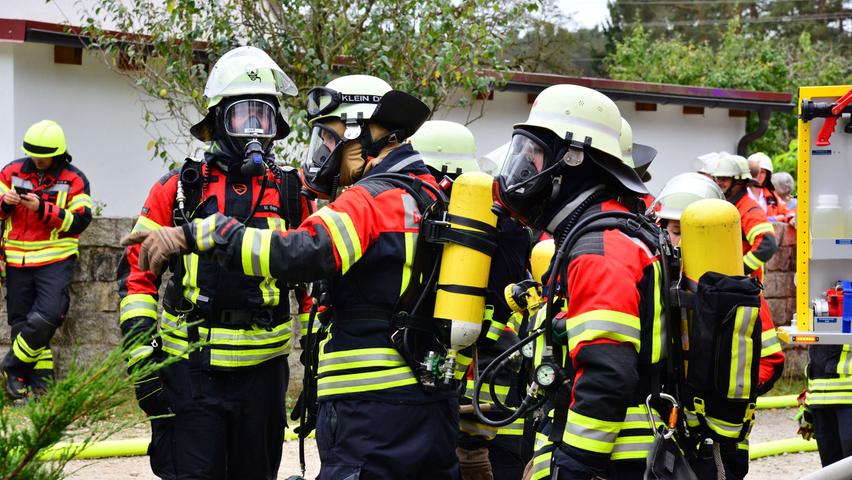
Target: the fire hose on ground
pixel 139 446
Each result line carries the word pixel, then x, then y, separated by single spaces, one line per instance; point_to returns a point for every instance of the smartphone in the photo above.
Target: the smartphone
pixel 22 190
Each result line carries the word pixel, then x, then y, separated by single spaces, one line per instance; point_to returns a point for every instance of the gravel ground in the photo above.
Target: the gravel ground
pixel 771 425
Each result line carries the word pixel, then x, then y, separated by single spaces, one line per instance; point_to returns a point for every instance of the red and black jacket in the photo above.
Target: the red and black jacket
pixel 51 233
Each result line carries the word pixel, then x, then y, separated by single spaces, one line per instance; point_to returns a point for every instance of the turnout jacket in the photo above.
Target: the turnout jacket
pixel 225 302
pixel 759 243
pixel 364 242
pixel 616 336
pixel 51 233
pixel 829 375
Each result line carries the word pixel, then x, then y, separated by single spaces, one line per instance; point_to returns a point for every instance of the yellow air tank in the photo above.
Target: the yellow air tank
pixel 463 266
pixel 711 239
pixel 540 258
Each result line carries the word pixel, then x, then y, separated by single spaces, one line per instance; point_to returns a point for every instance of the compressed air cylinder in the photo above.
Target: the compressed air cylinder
pixel 711 239
pixel 540 258
pixel 463 266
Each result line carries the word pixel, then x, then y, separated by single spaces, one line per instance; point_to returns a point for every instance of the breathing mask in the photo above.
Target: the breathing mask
pixel 249 128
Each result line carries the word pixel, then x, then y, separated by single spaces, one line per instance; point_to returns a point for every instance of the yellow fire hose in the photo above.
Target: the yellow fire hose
pixel 132 447
pixel 139 446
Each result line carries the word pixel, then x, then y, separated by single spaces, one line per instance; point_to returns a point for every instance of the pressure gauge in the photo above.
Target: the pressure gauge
pixel 528 350
pixel 545 375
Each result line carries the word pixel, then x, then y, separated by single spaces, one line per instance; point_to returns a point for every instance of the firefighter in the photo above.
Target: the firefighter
pixel 678 193
pixel 826 405
pixel 706 163
pixel 45 206
pixel 484 452
pixel 759 244
pixel 763 190
pixel 376 418
pixel 565 164
pixel 228 397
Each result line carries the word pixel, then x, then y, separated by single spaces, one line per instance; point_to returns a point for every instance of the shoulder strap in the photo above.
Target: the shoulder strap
pixel 290 200
pixel 190 181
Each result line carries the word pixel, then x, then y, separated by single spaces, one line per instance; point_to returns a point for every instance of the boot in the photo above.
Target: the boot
pixel 474 464
pixel 16 387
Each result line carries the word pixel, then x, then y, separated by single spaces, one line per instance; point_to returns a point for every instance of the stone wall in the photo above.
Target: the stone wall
pixel 92 324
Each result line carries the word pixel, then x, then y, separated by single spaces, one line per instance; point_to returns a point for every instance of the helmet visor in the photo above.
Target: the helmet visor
pixel 525 160
pixel 251 118
pixel 323 100
pixel 320 162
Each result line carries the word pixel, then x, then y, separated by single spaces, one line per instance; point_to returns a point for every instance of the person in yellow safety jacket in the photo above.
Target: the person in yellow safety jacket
pixel 44 206
pixel 484 452
pixel 733 175
pixel 565 164
pixel 228 396
pixel 376 418
pixel 677 194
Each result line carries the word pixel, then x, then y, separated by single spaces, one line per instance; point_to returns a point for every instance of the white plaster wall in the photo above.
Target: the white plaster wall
pixel 7 98
pixel 678 138
pixel 102 118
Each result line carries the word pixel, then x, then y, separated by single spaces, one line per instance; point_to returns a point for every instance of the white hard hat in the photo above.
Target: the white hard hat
pixel 682 190
pixel 442 143
pixel 763 160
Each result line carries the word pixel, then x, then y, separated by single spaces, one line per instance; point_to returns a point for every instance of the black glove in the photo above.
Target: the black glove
pixel 151 397
pixel 310 414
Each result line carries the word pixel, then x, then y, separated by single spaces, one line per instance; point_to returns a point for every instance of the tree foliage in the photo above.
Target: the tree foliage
pixel 75 408
pixel 742 59
pixel 434 49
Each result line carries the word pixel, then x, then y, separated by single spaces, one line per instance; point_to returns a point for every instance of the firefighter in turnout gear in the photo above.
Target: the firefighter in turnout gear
pixel 376 417
pixel 677 194
pixel 45 206
pixel 759 244
pixel 564 166
pixel 228 397
pixel 484 452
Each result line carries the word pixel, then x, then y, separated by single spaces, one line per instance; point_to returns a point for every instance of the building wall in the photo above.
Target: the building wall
pixel 100 112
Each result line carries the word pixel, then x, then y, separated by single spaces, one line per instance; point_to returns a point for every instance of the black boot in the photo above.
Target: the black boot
pixel 16 387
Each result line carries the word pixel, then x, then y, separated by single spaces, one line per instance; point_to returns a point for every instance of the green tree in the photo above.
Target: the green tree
pixel 742 60
pixel 434 49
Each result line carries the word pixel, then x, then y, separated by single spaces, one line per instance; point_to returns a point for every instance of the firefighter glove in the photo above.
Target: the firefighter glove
pixel 309 410
pixel 157 247
pixel 805 418
pixel 151 396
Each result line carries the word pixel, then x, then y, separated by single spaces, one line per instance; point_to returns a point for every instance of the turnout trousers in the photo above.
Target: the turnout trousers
pixel 833 432
pixel 37 299
pixel 369 440
pixel 227 425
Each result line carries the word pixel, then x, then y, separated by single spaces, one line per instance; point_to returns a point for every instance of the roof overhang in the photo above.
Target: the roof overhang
pixel 660 93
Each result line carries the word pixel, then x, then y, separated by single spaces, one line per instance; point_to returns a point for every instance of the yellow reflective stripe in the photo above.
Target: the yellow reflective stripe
pixel 515 321
pixel 3 188
pixel 477 429
pixel 659 328
pixel 739 382
pixel 591 434
pixel 720 427
pixel 495 329
pixel 771 344
pixel 145 224
pixel 844 363
pixel 360 358
pixel 137 305
pixel 245 358
pixel 61 199
pixel 270 292
pixel 191 290
pixel 751 261
pixel 276 223
pixel 610 324
pixel 409 238
pixel 829 391
pixel 633 447
pixel 514 428
pixel 138 354
pixel 365 381
pixel 343 235
pixel 204 233
pixel 502 392
pixel 24 352
pixel 255 252
pixel 80 201
pixel 303 322
pixel 758 229
pixel 541 464
pixel 17 257
pixel 462 364
pixel 41 244
pixel 253 337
